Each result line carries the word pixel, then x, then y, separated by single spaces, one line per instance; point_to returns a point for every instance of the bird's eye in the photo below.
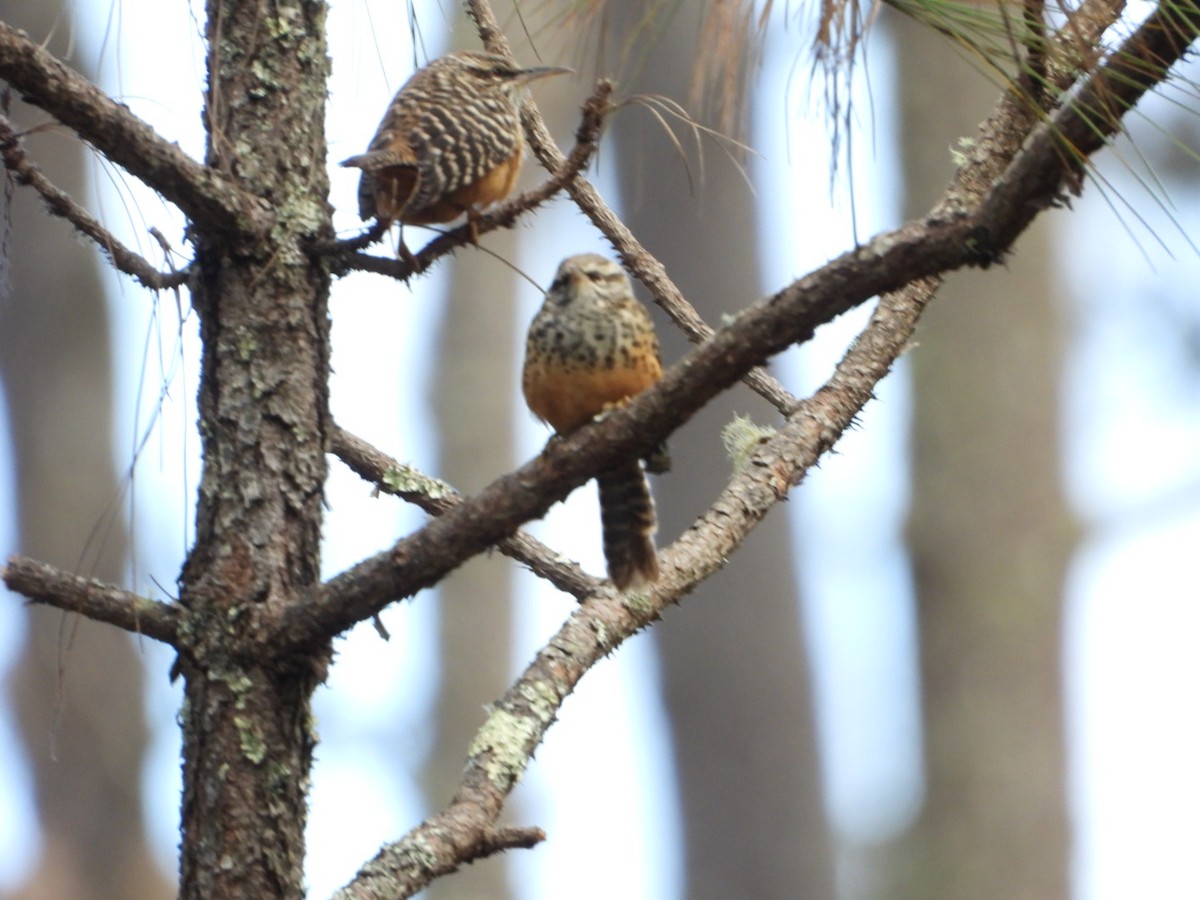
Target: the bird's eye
pixel 595 276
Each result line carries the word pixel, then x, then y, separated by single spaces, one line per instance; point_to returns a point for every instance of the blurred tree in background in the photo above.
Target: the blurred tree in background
pixel 990 534
pixel 77 687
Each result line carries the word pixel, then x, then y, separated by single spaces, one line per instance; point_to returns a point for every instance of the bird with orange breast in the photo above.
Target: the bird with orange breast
pixel 590 348
pixel 450 142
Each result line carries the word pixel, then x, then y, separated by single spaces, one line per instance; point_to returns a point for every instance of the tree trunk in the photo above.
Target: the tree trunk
pixel 736 681
pixel 76 687
pixel 263 404
pixel 990 537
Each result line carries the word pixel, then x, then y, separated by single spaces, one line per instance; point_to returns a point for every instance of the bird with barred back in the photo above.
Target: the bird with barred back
pixel 450 142
pixel 590 348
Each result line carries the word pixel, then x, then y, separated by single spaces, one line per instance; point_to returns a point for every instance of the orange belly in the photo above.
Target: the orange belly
pixel 491 188
pixel 568 398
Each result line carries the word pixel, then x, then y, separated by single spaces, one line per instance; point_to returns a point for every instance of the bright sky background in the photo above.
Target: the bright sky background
pixel 1133 472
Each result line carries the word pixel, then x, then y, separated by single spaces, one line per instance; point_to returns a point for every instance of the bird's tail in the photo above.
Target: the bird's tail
pixel 627 514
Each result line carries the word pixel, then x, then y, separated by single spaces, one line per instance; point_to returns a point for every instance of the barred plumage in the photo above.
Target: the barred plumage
pixel 450 141
pixel 627 516
pixel 591 347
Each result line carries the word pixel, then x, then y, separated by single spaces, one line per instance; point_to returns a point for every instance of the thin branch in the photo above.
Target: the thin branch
pixel 791 316
pixel 436 497
pixel 204 195
pixel 1035 68
pixel 460 834
pixel 1077 43
pixel 345 256
pixel 43 583
pixel 59 203
pixel 347 247
pixel 637 258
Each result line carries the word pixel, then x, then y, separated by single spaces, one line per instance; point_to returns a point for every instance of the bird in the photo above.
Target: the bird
pixel 590 348
pixel 449 143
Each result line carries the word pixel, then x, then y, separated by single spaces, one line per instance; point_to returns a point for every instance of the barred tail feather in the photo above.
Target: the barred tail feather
pixel 627 514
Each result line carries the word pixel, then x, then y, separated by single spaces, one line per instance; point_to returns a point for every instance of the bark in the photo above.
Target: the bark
pixel 247 739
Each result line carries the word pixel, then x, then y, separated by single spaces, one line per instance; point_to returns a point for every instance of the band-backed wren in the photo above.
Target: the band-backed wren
pixel 450 142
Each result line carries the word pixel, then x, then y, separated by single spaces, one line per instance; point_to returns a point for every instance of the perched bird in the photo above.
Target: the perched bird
pixel 590 348
pixel 450 141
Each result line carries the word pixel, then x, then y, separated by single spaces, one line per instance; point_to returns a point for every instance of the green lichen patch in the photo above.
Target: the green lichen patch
pixel 250 739
pixel 404 480
pixel 506 737
pixel 639 603
pixel 742 438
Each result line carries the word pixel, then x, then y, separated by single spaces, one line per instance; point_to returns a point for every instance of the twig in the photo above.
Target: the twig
pixel 204 195
pixel 458 835
pixel 372 235
pixel 59 203
pixel 43 583
pixel 1034 68
pixel 436 497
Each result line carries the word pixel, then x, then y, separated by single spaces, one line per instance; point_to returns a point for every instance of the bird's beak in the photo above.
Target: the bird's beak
pixel 527 75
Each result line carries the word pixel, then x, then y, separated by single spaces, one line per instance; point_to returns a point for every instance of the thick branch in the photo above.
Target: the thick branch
pixel 207 198
pixel 519 720
pixel 59 203
pixel 1084 126
pixel 43 583
pixel 517 723
pixel 949 239
pixel 436 497
pixel 791 316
